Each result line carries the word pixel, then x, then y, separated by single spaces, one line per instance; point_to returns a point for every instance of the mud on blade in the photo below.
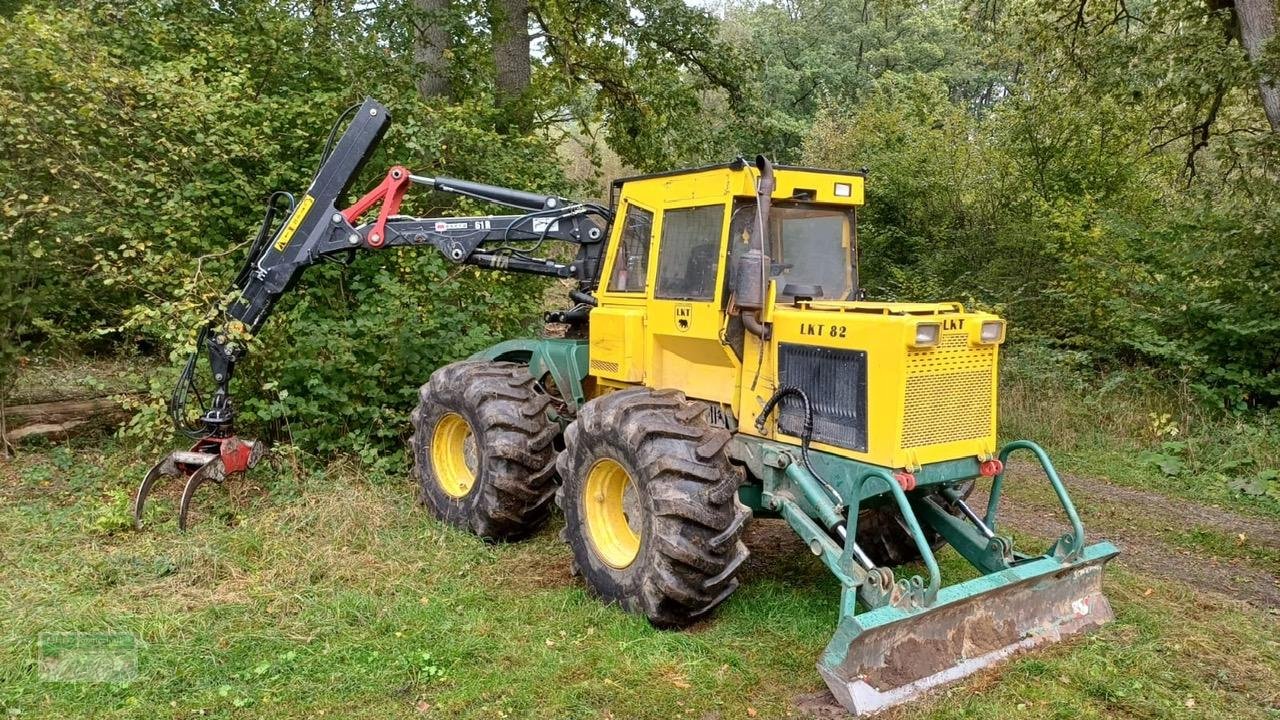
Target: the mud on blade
pixel 889 656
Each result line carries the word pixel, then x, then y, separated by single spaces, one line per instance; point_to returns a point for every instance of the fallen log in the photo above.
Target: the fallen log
pixel 52 430
pixel 63 418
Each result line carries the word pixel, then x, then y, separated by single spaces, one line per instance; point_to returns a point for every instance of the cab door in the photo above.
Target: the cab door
pixel 617 328
pixel 684 311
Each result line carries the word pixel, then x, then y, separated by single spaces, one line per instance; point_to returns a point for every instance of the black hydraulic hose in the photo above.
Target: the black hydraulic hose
pixel 333 135
pixel 264 233
pixel 806 432
pixel 186 384
pixel 582 297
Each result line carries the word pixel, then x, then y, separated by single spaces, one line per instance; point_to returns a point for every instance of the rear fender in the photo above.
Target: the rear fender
pixel 565 360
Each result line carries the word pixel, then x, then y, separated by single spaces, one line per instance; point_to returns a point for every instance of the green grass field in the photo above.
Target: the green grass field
pixel 329 592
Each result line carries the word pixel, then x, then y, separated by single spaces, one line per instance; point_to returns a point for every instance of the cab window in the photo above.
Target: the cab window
pixel 812 248
pixel 631 263
pixel 689 256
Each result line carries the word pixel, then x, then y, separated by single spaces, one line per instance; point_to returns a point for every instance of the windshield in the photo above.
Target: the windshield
pixel 812 248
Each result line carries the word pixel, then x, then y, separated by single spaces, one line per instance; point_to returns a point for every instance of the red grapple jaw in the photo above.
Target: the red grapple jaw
pixel 209 459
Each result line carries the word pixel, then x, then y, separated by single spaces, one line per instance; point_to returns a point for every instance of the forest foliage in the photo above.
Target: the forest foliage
pixel 1104 174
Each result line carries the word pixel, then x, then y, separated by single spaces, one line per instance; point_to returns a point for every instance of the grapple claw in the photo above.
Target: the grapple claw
pixel 212 470
pixel 161 469
pixel 210 459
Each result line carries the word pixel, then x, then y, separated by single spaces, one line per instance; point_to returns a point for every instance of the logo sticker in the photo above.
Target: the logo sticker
pixel 684 314
pixel 295 220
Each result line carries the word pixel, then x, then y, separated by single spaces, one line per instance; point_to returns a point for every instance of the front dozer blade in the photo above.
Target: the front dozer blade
pixel 888 655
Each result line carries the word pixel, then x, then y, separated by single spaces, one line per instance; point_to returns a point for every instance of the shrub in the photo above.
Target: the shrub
pixel 162 128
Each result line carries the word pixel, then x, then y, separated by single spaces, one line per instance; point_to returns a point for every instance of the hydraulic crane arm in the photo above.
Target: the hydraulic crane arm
pixel 318 227
pixel 484 241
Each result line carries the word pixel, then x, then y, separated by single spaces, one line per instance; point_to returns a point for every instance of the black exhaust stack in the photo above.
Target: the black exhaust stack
pixel 752 273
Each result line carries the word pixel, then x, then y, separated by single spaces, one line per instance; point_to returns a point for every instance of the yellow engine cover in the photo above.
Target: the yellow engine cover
pixel 922 404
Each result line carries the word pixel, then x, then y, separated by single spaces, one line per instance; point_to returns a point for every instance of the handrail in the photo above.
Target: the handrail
pixel 1077 527
pixel 913 526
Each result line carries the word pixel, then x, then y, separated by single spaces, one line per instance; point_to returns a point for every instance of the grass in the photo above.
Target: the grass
pixel 333 594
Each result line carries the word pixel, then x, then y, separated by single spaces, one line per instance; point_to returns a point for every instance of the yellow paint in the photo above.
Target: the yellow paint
pixel 617 342
pixel 605 499
pixel 943 395
pixel 453 455
pixel 295 220
pixel 923 405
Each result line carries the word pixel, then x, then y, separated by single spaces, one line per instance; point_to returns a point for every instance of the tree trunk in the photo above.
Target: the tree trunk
pixel 430 41
pixel 509 23
pixel 61 418
pixel 1256 21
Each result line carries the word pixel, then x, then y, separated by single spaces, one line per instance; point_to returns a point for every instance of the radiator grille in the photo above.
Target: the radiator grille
pixel 836 383
pixel 949 392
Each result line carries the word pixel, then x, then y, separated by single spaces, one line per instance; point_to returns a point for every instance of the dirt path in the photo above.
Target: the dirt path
pixel 1125 515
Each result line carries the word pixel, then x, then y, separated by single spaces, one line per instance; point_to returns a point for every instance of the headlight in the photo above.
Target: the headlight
pixel 992 332
pixel 927 334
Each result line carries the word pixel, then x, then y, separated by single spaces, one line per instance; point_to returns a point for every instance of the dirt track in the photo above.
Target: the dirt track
pixel 1113 513
pixel 1118 514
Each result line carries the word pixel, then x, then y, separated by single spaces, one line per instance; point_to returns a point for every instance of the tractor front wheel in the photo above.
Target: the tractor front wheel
pixel 483 449
pixel 884 537
pixel 651 505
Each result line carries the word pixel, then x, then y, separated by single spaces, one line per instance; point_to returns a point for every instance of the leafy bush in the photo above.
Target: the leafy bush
pixel 162 128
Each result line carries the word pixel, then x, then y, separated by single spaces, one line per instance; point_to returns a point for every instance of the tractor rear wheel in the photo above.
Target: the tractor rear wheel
pixel 483 449
pixel 651 505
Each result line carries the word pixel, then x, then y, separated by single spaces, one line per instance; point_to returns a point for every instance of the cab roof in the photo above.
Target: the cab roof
pixel 737 178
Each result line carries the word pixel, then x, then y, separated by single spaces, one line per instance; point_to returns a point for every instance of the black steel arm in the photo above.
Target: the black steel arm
pixel 317 228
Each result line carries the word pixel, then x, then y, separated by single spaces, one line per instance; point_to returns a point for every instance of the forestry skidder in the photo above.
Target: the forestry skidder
pixel 721 363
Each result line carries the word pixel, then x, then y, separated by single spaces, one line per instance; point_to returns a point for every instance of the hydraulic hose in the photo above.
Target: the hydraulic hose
pixel 806 432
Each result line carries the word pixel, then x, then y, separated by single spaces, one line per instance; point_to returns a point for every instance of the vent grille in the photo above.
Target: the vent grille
pixel 604 366
pixel 949 392
pixel 836 383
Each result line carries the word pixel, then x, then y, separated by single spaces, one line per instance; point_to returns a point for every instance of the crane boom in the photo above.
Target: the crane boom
pixel 318 227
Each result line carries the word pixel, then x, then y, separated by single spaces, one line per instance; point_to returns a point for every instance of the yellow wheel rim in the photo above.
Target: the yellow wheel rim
pixel 453 455
pixel 612 512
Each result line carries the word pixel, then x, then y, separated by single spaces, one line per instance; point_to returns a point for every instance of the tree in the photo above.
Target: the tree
pixel 509 28
pixel 1256 23
pixel 430 44
pixel 645 71
pixel 810 52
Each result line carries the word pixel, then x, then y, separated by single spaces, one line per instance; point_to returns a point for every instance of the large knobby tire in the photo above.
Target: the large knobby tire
pixel 883 534
pixel 483 449
pixel 651 505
